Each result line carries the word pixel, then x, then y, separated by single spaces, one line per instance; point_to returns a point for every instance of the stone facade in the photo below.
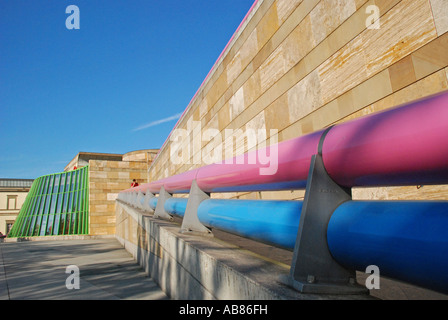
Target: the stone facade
pixel 141 155
pixel 297 66
pixel 11 201
pixel 106 179
pixel 82 159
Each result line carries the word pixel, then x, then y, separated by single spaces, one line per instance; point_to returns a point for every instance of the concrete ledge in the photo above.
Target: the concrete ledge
pixel 193 267
pixel 67 237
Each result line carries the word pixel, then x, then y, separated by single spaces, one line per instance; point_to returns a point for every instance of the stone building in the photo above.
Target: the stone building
pixel 12 196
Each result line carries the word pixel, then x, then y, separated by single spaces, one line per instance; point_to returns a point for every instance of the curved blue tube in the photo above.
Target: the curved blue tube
pixel 407 240
pixel 176 206
pixel 153 202
pixel 273 222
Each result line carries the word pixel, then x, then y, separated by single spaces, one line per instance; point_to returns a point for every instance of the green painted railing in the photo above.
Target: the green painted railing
pixel 57 204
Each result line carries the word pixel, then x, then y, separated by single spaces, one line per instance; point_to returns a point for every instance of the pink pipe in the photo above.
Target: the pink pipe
pixel 407 145
pixel 180 182
pixel 402 146
pixel 174 184
pixel 292 164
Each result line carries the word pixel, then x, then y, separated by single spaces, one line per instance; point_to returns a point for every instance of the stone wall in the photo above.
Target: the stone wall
pixel 147 156
pixel 297 66
pixel 141 155
pixel 9 215
pixel 82 159
pixel 106 180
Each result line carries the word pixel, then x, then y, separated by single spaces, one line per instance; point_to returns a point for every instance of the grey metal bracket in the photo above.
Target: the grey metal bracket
pixel 190 222
pixel 160 208
pixel 145 204
pixel 313 269
pixel 138 201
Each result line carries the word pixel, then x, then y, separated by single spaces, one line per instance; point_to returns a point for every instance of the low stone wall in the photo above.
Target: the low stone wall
pixel 58 238
pixel 193 267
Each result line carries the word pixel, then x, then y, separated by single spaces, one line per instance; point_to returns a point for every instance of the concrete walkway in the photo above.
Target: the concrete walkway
pixel 37 270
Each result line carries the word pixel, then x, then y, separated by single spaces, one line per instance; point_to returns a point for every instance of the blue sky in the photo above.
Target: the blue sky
pixel 132 63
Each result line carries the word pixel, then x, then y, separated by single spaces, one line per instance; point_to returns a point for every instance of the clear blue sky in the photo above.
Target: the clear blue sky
pixel 131 62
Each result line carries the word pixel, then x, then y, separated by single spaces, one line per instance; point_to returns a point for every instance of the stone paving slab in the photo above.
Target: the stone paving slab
pixel 36 270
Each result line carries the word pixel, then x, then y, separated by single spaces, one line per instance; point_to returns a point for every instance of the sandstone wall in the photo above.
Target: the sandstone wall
pixel 106 180
pixel 297 66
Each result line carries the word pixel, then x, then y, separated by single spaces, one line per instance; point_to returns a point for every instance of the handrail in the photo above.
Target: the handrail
pixel 401 146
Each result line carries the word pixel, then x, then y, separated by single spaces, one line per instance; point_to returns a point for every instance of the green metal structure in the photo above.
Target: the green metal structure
pixel 57 204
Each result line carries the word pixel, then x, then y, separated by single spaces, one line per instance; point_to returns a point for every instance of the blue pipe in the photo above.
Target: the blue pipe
pixel 153 202
pixel 407 240
pixel 176 206
pixel 269 221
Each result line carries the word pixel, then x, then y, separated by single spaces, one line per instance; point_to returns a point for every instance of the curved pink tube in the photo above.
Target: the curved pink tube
pixel 287 169
pixel 407 145
pixel 402 146
pixel 292 162
pixel 180 183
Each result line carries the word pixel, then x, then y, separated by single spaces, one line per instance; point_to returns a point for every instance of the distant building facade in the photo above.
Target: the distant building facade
pixel 13 193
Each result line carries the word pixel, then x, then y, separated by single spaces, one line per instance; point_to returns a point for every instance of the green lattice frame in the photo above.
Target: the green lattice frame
pixel 57 204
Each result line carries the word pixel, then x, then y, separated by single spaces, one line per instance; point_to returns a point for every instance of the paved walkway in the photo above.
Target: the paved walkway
pixel 37 270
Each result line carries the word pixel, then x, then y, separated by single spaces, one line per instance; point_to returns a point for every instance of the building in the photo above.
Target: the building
pixel 106 179
pixel 82 159
pixel 12 196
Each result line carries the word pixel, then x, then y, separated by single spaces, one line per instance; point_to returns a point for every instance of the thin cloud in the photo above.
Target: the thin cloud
pixel 157 122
